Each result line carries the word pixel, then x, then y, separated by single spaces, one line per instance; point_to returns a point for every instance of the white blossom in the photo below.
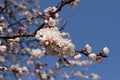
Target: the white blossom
pixel 78 73
pixel 86 62
pixel 50 72
pixel 14 68
pixel 48 11
pixel 25 50
pixel 65 34
pixel 36 53
pixel 95 76
pixel 66 76
pixel 9 30
pixel 52 78
pixel 2 48
pixel 88 48
pixel 19 71
pixel 80 63
pixel 1 77
pixel 57 65
pixel 51 22
pixel 28 15
pixel 76 56
pixel 2 18
pixel 74 3
pixel 92 56
pixel 1 30
pixel 2 59
pixel 17 39
pixel 24 70
pixel 105 50
pixel 2 68
pixel 43 75
pixel 99 59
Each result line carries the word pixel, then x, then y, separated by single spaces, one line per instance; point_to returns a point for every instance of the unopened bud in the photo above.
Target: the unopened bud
pixel 92 56
pixel 76 56
pixel 88 48
pixel 105 50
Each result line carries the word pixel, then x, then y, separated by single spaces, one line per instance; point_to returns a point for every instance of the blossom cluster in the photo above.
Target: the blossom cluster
pixel 19 71
pixel 53 42
pixel 51 16
pixel 46 75
pixel 51 11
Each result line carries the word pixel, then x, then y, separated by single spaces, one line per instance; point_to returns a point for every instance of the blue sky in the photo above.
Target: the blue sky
pixel 96 22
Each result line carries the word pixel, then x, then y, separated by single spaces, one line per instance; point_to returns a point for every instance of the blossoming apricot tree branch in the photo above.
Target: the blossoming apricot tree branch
pixel 27 34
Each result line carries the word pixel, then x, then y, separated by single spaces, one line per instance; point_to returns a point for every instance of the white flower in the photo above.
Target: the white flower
pixel 28 15
pixel 94 76
pixel 36 53
pixel 1 29
pixel 88 48
pixel 25 50
pixel 25 13
pixel 52 78
pixel 2 48
pixel 99 59
pixel 43 75
pixel 51 22
pixel 76 56
pixel 65 34
pixel 50 9
pixel 0 42
pixel 2 18
pixel 15 69
pixel 92 56
pixel 73 4
pixel 15 40
pixel 78 73
pixel 65 75
pixel 86 62
pixel 3 68
pixel 2 59
pixel 50 72
pixel 9 30
pixel 105 50
pixel 56 15
pixel 24 70
pixel 57 65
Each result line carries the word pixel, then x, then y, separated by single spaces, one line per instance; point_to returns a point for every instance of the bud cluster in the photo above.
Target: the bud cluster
pixel 87 50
